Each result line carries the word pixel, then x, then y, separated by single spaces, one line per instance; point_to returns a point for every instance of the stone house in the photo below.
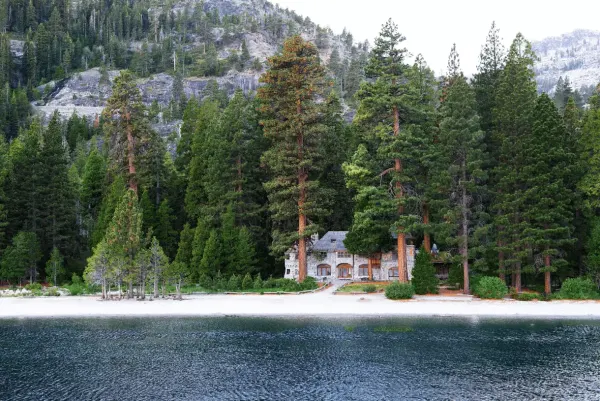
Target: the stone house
pixel 329 260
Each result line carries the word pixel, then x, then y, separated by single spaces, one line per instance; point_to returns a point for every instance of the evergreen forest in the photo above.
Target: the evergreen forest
pixel 504 180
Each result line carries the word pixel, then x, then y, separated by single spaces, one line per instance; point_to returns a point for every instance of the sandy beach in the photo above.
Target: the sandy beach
pixel 317 304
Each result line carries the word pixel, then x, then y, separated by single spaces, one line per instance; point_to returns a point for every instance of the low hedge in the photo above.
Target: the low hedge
pixel 528 296
pixel 399 291
pixel 490 288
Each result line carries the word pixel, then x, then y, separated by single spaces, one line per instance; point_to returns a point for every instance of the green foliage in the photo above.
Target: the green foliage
pixel 247 282
pixel 490 288
pixel 234 283
pixel 424 280
pixel 371 288
pixel 258 283
pixel 54 266
pixel 578 288
pixel 291 115
pixel 456 276
pixel 33 287
pixel 399 291
pixel 528 296
pixel 206 282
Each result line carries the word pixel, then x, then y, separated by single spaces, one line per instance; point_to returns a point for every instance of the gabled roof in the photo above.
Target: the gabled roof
pixel 333 241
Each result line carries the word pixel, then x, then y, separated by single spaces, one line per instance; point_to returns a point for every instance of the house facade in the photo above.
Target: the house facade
pixel 329 260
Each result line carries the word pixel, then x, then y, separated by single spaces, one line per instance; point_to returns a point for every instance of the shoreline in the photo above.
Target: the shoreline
pixel 323 304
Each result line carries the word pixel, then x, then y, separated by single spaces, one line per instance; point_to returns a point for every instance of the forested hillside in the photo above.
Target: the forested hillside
pixel 210 137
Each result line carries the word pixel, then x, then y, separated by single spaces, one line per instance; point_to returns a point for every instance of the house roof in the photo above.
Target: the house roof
pixel 333 241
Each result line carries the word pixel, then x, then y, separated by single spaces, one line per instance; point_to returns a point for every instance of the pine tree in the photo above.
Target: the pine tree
pixel 127 129
pixel 21 258
pixel 98 268
pixel 212 261
pixel 386 104
pixel 515 102
pixel 245 254
pixel 159 263
pixel 58 211
pixel 124 235
pixel 54 266
pixel 549 207
pixel 459 171
pixel 293 123
pixel 92 187
pixel 201 236
pixel 424 280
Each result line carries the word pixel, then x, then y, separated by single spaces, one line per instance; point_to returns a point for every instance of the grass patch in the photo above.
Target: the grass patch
pixel 360 287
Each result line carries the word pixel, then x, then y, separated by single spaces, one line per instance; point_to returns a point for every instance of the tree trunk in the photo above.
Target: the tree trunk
pixel 131 154
pixel 179 289
pixel 104 294
pixel 130 290
pixel 155 284
pixel 402 273
pixel 464 251
pixel 426 236
pixel 517 282
pixel 370 269
pixel 301 202
pixel 547 276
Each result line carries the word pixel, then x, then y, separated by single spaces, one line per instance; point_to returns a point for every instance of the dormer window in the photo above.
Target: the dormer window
pixel 343 254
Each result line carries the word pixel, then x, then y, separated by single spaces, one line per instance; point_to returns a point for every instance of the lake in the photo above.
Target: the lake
pixel 299 359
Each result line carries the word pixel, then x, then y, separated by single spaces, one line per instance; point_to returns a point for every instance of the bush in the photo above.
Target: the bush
pixel 235 283
pixel 75 279
pixel 527 296
pixel 258 283
pixel 369 289
pixel 309 283
pixel 456 277
pixel 52 292
pixel 75 289
pixel 247 283
pixel 490 288
pixel 578 288
pixel 424 280
pixel 205 282
pixel 270 283
pixel 399 291
pixel 33 287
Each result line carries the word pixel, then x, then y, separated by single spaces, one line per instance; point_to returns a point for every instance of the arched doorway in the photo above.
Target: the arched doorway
pixel 344 270
pixel 324 270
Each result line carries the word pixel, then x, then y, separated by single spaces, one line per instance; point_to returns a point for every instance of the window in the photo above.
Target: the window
pixel 343 254
pixel 393 272
pixel 363 270
pixel 344 271
pixel 323 270
pixel 287 271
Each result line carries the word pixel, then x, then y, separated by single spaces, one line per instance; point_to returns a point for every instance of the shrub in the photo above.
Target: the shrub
pixel 247 282
pixel 490 288
pixel 75 279
pixel 309 283
pixel 270 283
pixel 527 296
pixel 33 287
pixel 290 285
pixel 370 288
pixel 258 283
pixel 399 291
pixel 235 283
pixel 456 276
pixel 75 289
pixel 205 281
pixel 424 280
pixel 52 292
pixel 578 288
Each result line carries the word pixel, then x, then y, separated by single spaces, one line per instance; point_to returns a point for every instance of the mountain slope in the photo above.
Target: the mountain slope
pixel 575 55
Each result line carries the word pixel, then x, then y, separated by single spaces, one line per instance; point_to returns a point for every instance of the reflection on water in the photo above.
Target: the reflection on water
pixel 298 359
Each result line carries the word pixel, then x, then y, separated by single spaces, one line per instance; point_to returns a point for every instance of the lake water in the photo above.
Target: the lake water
pixel 298 359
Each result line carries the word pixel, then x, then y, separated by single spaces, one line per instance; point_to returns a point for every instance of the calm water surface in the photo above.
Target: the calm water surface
pixel 298 359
